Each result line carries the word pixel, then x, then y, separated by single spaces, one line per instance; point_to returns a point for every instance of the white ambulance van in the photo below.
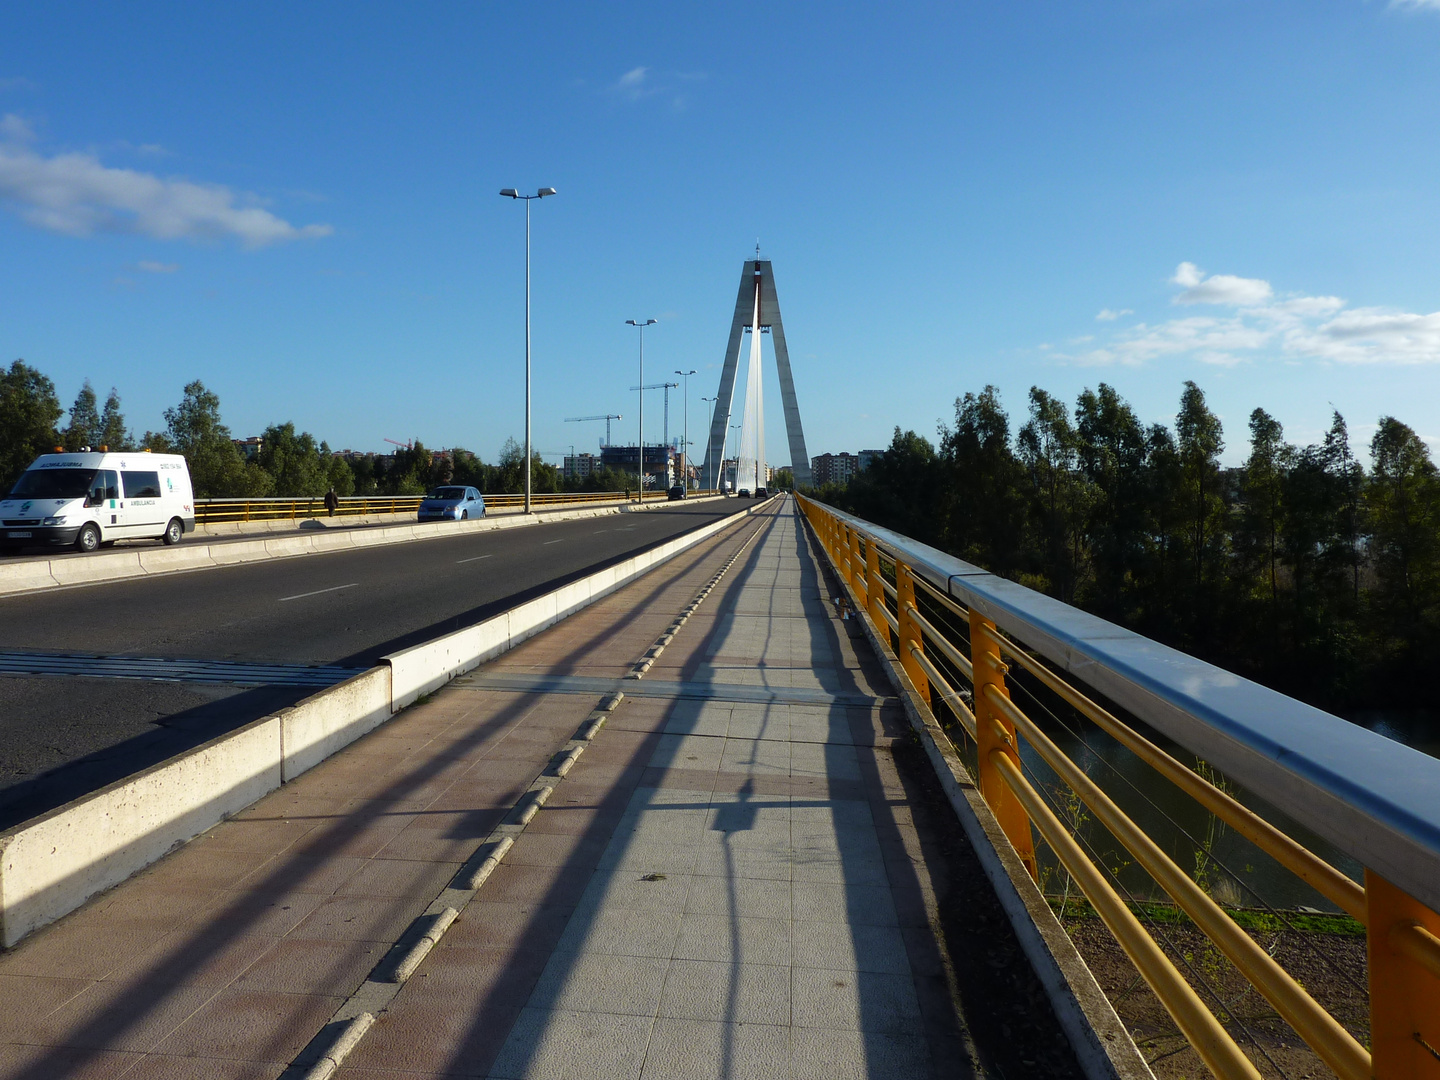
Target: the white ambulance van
pixel 91 499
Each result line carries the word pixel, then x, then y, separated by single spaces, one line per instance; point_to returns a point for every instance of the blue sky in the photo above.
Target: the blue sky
pixel 298 205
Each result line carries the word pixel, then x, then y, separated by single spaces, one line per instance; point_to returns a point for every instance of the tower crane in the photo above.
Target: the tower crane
pixel 667 387
pixel 607 417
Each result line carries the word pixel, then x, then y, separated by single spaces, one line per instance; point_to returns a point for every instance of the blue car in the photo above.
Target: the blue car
pixel 452 504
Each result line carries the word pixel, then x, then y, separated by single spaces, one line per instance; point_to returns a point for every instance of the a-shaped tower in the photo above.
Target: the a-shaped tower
pixel 756 279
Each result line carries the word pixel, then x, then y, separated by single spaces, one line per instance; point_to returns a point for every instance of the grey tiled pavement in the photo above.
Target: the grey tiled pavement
pixel 741 920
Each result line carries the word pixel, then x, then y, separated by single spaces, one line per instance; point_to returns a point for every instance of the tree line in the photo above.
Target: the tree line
pixel 289 463
pixel 1302 568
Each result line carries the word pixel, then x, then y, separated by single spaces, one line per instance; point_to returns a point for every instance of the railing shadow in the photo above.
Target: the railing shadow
pixel 840 792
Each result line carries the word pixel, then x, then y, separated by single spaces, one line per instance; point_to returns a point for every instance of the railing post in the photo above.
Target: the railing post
pixel 910 633
pixel 995 732
pixel 1404 1015
pixel 875 590
pixel 857 566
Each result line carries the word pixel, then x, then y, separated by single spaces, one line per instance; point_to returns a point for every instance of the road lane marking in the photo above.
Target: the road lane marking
pixel 317 592
pixel 549 542
pixel 473 558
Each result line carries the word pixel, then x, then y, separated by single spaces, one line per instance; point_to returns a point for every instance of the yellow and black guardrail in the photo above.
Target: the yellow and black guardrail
pixel 217 511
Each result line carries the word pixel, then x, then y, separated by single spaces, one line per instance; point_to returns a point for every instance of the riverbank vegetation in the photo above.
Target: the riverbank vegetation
pixel 284 463
pixel 1302 569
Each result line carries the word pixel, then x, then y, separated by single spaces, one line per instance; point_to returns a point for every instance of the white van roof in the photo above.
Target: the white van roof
pixel 97 460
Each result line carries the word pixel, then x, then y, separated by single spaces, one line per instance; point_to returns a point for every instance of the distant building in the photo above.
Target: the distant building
pixel 867 458
pixel 583 466
pixel 834 468
pixel 249 448
pixel 659 463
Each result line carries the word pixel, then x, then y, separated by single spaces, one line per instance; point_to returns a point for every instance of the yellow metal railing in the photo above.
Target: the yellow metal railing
pixel 216 511
pixel 1403 935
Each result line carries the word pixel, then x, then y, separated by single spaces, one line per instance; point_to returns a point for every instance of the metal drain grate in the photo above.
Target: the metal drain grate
pixel 163 669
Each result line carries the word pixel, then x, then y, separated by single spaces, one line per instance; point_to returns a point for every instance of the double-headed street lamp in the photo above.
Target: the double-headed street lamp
pixel 686 376
pixel 711 401
pixel 511 193
pixel 640 472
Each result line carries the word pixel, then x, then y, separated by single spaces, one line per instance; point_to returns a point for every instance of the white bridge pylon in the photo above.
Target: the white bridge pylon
pixel 756 310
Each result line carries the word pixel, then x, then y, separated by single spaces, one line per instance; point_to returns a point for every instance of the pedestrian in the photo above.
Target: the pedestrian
pixel 332 501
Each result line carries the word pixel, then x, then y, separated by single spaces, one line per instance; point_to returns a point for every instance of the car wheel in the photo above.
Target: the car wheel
pixel 464 515
pixel 88 539
pixel 173 532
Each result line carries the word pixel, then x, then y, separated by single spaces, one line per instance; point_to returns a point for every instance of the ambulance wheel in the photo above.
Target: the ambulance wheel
pixel 173 532
pixel 88 539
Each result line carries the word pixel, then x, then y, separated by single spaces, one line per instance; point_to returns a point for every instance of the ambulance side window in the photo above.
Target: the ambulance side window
pixel 142 485
pixel 112 484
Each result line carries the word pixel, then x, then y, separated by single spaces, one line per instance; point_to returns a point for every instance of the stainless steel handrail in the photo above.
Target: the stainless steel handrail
pixel 1372 798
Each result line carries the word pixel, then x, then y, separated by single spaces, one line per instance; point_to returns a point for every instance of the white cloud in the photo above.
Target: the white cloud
pixel 151 267
pixel 1291 329
pixel 632 84
pixel 1416 5
pixel 641 83
pixel 1371 335
pixel 76 195
pixel 16 129
pixel 1106 315
pixel 1218 288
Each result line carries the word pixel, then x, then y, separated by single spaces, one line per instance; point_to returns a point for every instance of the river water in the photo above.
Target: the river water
pixel 1238 873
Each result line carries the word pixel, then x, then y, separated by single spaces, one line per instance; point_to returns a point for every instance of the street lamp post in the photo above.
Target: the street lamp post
pixel 733 427
pixel 511 193
pixel 711 402
pixel 640 470
pixel 686 376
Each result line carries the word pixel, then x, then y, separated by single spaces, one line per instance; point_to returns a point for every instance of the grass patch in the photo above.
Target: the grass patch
pixel 1312 922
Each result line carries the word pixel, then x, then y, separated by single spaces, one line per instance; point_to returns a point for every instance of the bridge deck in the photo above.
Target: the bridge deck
pixel 733 880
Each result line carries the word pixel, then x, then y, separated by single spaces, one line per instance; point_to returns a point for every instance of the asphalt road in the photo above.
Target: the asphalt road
pixel 63 736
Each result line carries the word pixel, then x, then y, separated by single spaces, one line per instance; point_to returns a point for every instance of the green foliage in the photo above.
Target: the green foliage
pixel 84 429
pixel 509 477
pixel 1296 569
pixel 29 409
pixel 295 463
pixel 217 470
pixel 113 433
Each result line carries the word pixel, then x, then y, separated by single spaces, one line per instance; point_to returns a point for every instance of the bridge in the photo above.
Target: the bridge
pixel 713 788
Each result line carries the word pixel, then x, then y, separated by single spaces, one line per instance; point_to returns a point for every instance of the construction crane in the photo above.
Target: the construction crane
pixel 403 445
pixel 607 417
pixel 667 387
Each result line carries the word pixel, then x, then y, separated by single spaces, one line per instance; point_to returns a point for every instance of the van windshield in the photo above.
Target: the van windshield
pixel 447 493
pixel 53 484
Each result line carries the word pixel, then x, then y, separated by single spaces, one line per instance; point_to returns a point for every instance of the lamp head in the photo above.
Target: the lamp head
pixel 544 191
pixel 510 193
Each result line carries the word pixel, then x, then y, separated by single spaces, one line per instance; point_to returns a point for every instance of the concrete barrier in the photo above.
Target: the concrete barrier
pixel 53 864
pixel 332 719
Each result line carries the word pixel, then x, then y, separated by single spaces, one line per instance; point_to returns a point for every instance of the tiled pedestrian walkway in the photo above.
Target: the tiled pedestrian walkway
pixel 740 919
pixel 727 883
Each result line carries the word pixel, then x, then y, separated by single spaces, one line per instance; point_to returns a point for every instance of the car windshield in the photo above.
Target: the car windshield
pixel 53 484
pixel 447 493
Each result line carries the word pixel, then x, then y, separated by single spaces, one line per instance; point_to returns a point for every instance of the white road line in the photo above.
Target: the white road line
pixel 474 558
pixel 317 592
pixel 549 542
